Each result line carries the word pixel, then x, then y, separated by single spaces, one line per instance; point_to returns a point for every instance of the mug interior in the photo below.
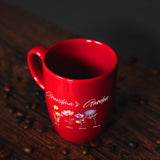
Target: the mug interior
pixel 80 59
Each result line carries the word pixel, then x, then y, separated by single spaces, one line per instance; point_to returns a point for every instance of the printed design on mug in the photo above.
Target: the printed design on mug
pixel 81 120
pixel 68 113
pixel 61 101
pixel 72 118
pixel 56 114
pixel 91 114
pixel 89 103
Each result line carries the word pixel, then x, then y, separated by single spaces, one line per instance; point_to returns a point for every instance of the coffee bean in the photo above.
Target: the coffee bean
pixel 40 128
pixel 34 106
pixel 11 110
pixel 158 141
pixel 157 149
pixel 7 89
pixel 19 119
pixel 21 114
pixel 52 147
pixel 5 152
pixel 155 71
pixel 38 93
pixel 28 149
pixel 142 101
pixel 133 144
pixel 94 143
pixel 28 106
pixel 25 67
pixel 26 126
pixel 109 141
pixel 113 148
pixel 124 156
pixel 65 151
pixel 84 149
pixel 28 121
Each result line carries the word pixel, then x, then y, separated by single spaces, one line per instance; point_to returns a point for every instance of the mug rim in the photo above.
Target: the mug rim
pixel 82 40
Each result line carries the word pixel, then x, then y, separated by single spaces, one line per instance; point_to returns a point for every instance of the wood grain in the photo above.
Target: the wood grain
pixel 131 120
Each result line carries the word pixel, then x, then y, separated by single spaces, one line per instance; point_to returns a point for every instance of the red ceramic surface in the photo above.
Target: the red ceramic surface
pixel 78 108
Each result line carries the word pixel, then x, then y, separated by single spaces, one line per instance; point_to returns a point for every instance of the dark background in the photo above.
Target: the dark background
pixel 130 27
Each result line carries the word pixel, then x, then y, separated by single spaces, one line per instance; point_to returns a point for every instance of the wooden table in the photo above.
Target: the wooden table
pixel 133 132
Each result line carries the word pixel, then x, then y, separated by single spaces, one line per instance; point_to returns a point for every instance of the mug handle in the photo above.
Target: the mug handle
pixel 32 60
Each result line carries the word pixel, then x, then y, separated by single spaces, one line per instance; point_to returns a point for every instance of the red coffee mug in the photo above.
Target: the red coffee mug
pixel 78 102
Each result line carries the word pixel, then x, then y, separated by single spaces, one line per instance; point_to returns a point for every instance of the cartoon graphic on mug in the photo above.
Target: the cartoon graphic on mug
pixel 78 78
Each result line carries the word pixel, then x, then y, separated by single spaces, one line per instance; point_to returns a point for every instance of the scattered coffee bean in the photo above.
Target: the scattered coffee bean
pixel 38 93
pixel 124 156
pixel 28 149
pixel 142 101
pixel 84 149
pixel 109 141
pixel 5 152
pixel 158 141
pixel 157 149
pixel 139 100
pixel 18 113
pixel 155 71
pixel 26 126
pixel 94 143
pixel 28 106
pixel 25 67
pixel 40 128
pixel 7 89
pixel 28 121
pixel 34 106
pixel 133 144
pixel 19 119
pixel 113 148
pixel 52 147
pixel 65 151
pixel 11 110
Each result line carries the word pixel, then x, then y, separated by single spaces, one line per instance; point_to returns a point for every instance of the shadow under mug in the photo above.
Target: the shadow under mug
pixel 78 78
